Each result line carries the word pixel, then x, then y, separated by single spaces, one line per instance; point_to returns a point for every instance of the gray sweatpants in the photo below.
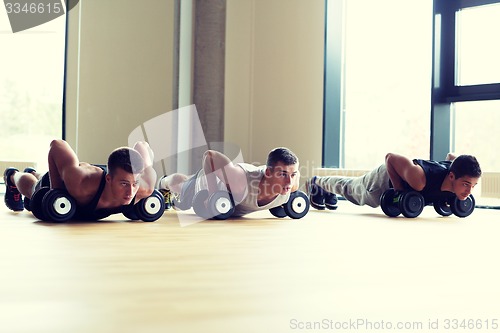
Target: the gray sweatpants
pixel 364 190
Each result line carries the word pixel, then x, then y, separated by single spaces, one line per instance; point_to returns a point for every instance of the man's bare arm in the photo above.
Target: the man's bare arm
pixel 64 168
pixel 219 165
pixel 147 181
pixel 402 169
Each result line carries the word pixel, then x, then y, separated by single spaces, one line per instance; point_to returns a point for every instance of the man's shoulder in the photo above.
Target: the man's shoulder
pixel 88 179
pixel 432 163
pixel 251 167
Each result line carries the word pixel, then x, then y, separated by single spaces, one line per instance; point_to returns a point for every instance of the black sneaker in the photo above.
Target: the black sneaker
pixel 13 199
pixel 316 194
pixel 167 196
pixel 29 170
pixel 330 200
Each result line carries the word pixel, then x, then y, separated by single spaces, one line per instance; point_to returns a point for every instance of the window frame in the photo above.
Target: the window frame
pixel 445 50
pixel 445 91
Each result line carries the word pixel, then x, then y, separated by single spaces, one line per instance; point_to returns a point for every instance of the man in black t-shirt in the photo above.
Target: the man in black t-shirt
pixel 434 179
pixel 129 179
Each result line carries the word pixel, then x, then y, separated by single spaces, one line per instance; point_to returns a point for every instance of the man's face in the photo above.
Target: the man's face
pixel 124 185
pixel 282 177
pixel 463 186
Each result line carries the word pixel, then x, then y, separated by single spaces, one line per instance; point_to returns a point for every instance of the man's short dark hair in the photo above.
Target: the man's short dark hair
pixel 283 155
pixel 465 165
pixel 127 159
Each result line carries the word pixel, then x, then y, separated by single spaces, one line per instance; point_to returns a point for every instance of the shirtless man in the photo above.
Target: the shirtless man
pixel 98 192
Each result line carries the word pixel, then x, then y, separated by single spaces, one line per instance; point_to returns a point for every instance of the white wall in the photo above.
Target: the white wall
pixel 120 74
pixel 120 71
pixel 274 78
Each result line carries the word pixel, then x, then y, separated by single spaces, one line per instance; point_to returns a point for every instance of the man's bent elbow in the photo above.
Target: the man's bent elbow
pixel 211 159
pixel 450 157
pixel 388 157
pixel 209 154
pixel 57 144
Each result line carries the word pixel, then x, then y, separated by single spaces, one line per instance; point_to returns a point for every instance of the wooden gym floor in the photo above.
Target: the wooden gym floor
pixel 331 269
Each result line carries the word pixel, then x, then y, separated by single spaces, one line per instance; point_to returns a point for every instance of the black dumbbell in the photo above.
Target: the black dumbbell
pixel 199 204
pixel 463 208
pixel 409 203
pixel 27 204
pixel 297 206
pixel 58 205
pixel 442 207
pixel 278 211
pixel 151 208
pixel 389 201
pixel 218 205
pixel 36 203
pixel 130 213
pixel 221 205
pixel 50 204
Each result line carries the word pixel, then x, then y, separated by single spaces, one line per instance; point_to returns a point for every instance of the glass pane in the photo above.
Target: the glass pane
pixel 477 50
pixel 388 70
pixel 476 131
pixel 31 81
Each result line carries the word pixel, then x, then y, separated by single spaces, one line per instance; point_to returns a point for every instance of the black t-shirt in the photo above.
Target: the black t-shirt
pixel 435 174
pixel 90 212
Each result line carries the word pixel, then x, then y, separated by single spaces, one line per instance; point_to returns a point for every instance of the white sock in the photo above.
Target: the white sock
pixel 163 183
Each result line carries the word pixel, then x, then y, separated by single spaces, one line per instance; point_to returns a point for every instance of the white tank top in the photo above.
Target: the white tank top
pixel 249 203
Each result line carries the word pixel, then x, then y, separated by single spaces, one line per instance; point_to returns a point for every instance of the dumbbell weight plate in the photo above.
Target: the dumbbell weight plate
pixel 463 208
pixel 411 204
pixel 27 204
pixel 36 203
pixel 58 205
pixel 199 204
pixel 442 208
pixel 389 206
pixel 151 208
pixel 278 211
pixel 131 213
pixel 297 205
pixel 220 205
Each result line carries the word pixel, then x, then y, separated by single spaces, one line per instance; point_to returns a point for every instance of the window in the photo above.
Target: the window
pixel 31 80
pixel 388 61
pixel 466 95
pixel 386 80
pixel 475 131
pixel 477 57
